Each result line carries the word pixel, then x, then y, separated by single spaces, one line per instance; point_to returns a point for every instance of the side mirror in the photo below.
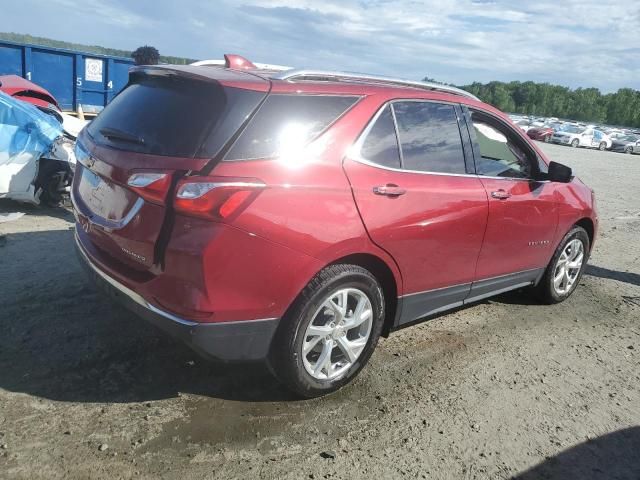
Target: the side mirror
pixel 559 173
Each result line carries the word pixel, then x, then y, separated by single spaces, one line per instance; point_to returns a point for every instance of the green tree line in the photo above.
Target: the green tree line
pixel 621 108
pixel 48 42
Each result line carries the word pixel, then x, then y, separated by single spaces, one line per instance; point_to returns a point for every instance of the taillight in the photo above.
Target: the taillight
pixel 215 198
pixel 150 186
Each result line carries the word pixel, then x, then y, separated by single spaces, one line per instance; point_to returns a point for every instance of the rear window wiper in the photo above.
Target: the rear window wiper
pixel 115 134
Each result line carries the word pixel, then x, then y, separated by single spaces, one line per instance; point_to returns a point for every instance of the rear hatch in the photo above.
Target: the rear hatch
pixel 165 123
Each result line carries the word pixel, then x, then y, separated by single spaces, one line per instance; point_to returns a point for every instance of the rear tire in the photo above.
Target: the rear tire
pixel 602 146
pixel 566 267
pixel 575 142
pixel 547 138
pixel 314 351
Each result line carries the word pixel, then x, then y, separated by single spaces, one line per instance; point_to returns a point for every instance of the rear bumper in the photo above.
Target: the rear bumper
pixel 225 341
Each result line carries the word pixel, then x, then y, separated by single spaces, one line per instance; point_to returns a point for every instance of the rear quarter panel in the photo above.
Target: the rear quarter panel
pixel 308 204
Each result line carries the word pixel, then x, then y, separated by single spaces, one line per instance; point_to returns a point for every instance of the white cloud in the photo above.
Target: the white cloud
pixel 580 42
pixel 575 42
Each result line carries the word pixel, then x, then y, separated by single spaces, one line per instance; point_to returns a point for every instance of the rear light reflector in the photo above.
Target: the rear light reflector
pixel 217 199
pixel 151 186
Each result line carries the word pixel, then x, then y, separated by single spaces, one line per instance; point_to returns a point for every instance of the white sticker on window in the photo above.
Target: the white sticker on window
pixel 93 70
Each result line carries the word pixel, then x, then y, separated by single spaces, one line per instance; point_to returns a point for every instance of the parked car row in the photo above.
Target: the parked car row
pixel 577 134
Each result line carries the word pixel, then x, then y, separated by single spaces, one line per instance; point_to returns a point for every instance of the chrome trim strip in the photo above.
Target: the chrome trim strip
pixel 108 225
pixel 357 147
pixel 352 76
pixel 493 293
pixel 130 293
pixel 436 289
pixel 143 303
pixel 471 283
pixel 359 159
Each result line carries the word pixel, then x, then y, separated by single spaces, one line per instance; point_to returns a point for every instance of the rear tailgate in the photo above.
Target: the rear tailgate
pixel 166 122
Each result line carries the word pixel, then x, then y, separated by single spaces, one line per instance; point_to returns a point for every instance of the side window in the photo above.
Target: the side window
pixel 429 137
pixel 500 154
pixel 381 145
pixel 285 123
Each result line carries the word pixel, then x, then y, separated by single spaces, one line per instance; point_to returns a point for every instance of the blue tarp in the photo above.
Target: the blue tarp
pixel 25 129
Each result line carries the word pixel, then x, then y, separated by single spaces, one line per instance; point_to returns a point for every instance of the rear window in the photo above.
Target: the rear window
pixel 287 121
pixel 173 116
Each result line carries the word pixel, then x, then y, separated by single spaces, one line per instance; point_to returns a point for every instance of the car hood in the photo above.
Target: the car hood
pixel 27 91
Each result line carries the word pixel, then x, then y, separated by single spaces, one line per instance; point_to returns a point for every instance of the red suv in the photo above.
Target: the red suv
pixel 294 217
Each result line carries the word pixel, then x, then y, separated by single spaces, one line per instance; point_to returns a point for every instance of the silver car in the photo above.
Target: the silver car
pixel 626 144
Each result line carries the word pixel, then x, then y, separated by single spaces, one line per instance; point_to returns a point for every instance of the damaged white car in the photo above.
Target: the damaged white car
pixel 36 154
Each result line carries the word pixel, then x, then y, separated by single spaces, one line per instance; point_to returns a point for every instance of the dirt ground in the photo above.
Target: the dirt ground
pixel 504 388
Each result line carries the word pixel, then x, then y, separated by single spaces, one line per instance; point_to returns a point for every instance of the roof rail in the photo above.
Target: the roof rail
pixel 363 77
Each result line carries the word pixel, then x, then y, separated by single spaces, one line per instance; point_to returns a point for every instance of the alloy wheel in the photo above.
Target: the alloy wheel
pixel 337 334
pixel 568 267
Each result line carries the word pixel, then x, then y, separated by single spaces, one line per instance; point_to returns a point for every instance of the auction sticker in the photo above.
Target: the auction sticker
pixel 93 70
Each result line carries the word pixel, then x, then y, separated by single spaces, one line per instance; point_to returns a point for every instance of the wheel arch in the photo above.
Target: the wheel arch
pixel 385 275
pixel 588 225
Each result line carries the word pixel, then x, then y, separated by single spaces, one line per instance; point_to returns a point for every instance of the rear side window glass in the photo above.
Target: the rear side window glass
pixel 381 144
pixel 500 154
pixel 429 137
pixel 287 122
pixel 173 116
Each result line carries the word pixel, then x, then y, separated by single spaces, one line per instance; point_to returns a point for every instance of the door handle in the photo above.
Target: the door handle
pixel 500 194
pixel 390 190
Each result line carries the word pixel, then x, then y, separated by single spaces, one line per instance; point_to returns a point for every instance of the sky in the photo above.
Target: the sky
pixel 577 43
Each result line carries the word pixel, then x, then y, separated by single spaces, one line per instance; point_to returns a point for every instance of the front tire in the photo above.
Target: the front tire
pixel 547 138
pixel 566 267
pixel 602 146
pixel 330 331
pixel 628 150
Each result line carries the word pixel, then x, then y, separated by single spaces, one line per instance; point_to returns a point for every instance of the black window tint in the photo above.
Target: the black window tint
pixel 381 145
pixel 173 116
pixel 500 155
pixel 286 120
pixel 429 137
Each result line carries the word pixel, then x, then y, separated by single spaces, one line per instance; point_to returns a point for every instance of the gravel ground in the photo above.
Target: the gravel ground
pixel 505 388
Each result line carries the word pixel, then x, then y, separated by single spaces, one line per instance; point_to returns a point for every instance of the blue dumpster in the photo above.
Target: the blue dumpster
pixel 74 78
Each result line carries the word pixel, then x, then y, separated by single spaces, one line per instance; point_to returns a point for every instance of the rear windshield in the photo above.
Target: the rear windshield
pixel 173 116
pixel 286 121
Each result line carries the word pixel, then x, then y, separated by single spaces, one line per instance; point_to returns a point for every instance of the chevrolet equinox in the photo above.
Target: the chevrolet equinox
pixel 296 216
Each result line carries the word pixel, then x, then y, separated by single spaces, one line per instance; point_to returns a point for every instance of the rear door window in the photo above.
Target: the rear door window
pixel 380 146
pixel 429 137
pixel 285 123
pixel 173 116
